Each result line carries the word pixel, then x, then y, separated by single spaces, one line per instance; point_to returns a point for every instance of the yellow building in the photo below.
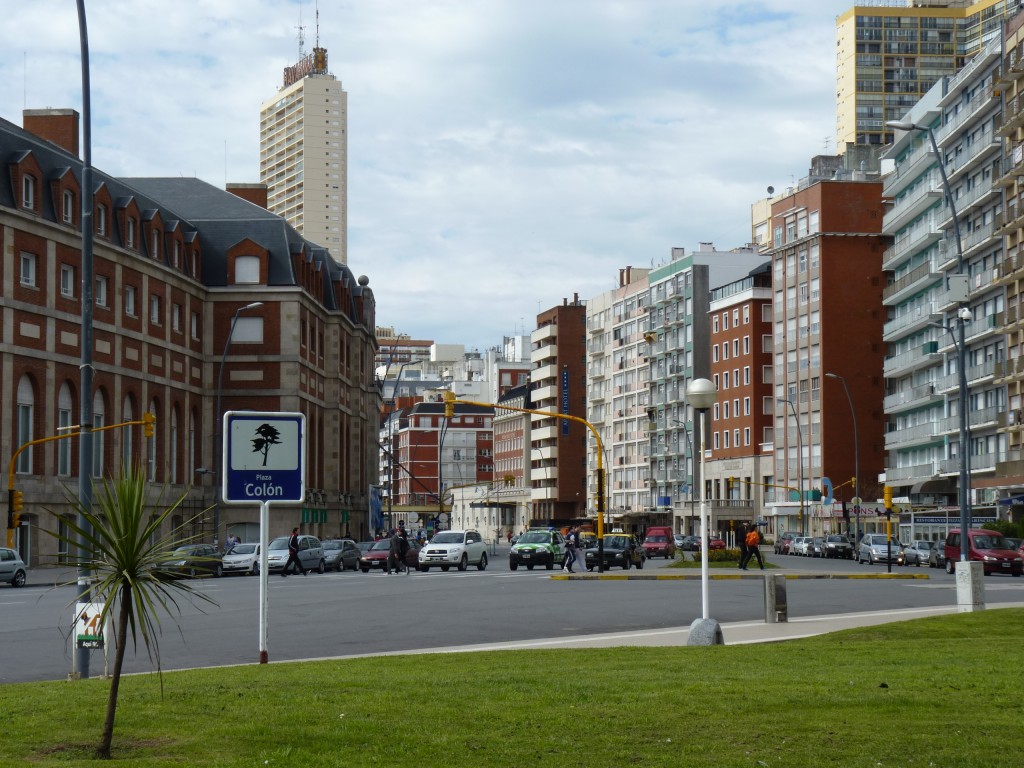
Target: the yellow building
pixel 890 52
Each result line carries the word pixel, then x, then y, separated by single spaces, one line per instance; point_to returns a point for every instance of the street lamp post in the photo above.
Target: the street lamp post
pixel 799 460
pixel 856 462
pixel 217 447
pixel 959 290
pixel 702 394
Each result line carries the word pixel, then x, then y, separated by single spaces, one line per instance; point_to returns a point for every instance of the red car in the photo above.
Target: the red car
pixel 713 543
pixel 377 556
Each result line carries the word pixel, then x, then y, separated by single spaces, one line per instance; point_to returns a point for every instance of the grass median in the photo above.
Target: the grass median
pixel 929 692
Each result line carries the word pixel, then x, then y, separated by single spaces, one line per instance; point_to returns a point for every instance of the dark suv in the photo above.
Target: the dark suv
pixel 837 546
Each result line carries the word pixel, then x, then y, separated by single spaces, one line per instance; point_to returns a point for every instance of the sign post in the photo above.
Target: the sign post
pixel 264 460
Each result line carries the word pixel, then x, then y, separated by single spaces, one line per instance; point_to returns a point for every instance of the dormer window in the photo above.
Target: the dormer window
pixel 129 235
pixel 177 255
pixel 68 206
pixel 28 191
pixel 247 269
pixel 156 244
pixel 101 219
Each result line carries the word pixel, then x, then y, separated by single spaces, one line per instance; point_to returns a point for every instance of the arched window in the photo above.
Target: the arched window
pixel 26 413
pixel 98 420
pixel 128 414
pixel 65 408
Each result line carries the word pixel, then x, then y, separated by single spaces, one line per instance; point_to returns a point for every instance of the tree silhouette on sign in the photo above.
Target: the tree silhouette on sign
pixel 268 436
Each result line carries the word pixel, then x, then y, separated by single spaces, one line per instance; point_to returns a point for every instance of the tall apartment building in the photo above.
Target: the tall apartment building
pixel 890 53
pixel 827 283
pixel 174 260
pixel 617 371
pixel 304 153
pixel 742 418
pixel 512 462
pixel 923 401
pixel 679 350
pixel 1010 467
pixel 558 384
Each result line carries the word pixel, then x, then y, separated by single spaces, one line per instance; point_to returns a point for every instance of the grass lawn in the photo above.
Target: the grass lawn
pixel 933 692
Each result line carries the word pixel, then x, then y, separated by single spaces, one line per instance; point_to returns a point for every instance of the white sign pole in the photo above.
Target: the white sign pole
pixel 264 536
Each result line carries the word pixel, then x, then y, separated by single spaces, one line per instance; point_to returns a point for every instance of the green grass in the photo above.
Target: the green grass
pixel 930 692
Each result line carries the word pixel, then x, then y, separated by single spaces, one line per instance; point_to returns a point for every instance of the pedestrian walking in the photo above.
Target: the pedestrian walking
pixel 394 551
pixel 741 542
pixel 753 542
pixel 293 555
pixel 571 547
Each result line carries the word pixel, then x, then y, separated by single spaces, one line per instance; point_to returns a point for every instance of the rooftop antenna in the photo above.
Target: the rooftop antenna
pixel 302 35
pixel 316 6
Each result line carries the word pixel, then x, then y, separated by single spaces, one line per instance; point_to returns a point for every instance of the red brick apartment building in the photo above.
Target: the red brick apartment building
pixel 174 261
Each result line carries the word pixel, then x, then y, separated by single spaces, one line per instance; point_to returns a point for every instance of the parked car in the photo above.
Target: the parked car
pixel 875 548
pixel 242 558
pixel 988 547
pixel 937 554
pixel 917 551
pixel 377 556
pixel 588 539
pixel 659 541
pixel 192 560
pixel 838 546
pixel 679 541
pixel 454 548
pixel 713 543
pixel 311 554
pixel 12 568
pixel 816 547
pixel 620 550
pixel 690 543
pixel 799 545
pixel 783 543
pixel 538 546
pixel 341 554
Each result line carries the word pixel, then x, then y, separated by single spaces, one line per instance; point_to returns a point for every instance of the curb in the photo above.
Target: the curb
pixel 732 576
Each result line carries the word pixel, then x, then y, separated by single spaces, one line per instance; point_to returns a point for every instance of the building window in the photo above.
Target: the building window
pixel 28 191
pixel 177 255
pixel 714 352
pixel 714 324
pixel 129 238
pixel 101 291
pixel 176 317
pixel 248 330
pixel 195 325
pixel 736 437
pixel 68 199
pixel 129 300
pixel 26 410
pixel 725 410
pixel 725 321
pixel 746 314
pixel 746 406
pixel 67 281
pixel 746 374
pixel 746 436
pixel 28 269
pixel 101 219
pixel 154 310
pixel 247 269
pixel 736 318
pixel 746 345
pixel 64 407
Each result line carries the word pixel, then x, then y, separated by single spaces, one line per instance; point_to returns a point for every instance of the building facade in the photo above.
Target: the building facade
pixel 304 153
pixel 174 261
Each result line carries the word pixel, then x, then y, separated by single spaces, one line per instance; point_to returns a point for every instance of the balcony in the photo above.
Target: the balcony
pixel 544 372
pixel 911 398
pixel 916 164
pixel 909 475
pixel 985 462
pixel 909 207
pixel 908 322
pixel 900 365
pixel 911 283
pixel 544 333
pixel 547 453
pixel 910 242
pixel 975 374
pixel 970 157
pixel 542 353
pixel 907 437
pixel 1009 369
pixel 544 433
pixel 986 418
pixel 1010 268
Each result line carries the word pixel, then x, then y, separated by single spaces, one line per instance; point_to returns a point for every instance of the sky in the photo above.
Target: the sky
pixel 504 155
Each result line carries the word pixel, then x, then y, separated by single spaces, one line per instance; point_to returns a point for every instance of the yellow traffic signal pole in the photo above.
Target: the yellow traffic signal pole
pixel 450 400
pixel 147 421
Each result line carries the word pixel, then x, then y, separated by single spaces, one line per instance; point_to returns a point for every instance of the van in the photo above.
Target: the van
pixel 660 541
pixel 990 548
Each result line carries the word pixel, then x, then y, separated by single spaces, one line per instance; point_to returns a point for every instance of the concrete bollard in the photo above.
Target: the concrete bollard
pixel 970 586
pixel 775 608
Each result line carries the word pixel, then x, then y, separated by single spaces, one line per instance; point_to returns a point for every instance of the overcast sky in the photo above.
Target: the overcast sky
pixel 503 154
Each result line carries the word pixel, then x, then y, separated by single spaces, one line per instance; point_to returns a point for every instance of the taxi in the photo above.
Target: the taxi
pixel 620 550
pixel 538 546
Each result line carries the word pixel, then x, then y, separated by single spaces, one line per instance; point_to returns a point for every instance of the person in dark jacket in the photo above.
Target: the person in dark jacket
pixel 741 542
pixel 394 552
pixel 293 555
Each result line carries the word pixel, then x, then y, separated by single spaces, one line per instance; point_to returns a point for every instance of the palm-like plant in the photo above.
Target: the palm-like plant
pixel 124 549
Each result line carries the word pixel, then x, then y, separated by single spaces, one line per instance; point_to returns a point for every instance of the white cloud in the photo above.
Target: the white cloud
pixel 503 154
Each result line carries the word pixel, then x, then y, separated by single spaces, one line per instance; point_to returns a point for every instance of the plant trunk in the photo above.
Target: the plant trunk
pixel 121 639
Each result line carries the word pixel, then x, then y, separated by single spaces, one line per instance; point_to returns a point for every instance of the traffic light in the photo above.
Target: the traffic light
pixel 17 503
pixel 887 496
pixel 148 422
pixel 17 520
pixel 449 403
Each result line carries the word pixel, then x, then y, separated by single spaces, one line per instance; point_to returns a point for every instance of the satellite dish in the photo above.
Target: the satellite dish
pixel 771 190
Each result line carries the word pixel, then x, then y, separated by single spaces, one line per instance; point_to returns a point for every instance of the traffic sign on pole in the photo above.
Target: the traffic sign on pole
pixel 264 457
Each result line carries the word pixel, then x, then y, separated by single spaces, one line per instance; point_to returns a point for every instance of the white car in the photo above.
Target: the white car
pixel 242 558
pixel 458 548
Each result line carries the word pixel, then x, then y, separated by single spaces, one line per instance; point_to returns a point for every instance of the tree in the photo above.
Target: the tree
pixel 125 548
pixel 268 436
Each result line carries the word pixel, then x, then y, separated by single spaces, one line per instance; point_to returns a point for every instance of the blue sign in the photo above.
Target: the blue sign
pixel 565 401
pixel 264 457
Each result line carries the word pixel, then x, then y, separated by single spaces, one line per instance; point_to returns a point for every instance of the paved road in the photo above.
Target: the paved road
pixel 353 614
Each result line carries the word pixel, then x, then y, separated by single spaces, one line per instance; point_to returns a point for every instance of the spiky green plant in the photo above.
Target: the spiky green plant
pixel 124 541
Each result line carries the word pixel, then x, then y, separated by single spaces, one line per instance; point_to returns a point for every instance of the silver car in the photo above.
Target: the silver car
pixel 874 548
pixel 242 558
pixel 12 568
pixel 916 552
pixel 311 554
